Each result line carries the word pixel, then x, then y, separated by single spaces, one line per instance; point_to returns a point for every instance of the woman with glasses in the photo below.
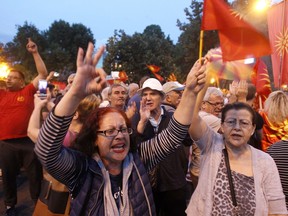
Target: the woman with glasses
pixel 235 178
pixel 108 176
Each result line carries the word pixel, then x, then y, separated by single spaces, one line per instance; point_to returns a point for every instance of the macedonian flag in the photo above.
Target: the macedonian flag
pixel 278 35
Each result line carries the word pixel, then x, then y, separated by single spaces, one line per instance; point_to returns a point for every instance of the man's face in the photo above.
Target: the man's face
pixel 153 99
pixel 214 105
pixel 118 97
pixel 14 81
pixel 173 97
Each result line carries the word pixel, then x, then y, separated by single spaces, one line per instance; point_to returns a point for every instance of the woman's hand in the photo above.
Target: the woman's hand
pixel 197 77
pixel 88 79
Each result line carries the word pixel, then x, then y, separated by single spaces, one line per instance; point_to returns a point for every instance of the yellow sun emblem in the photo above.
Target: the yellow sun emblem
pixel 281 42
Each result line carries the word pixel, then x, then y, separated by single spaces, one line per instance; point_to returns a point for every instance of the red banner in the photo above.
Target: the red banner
pixel 238 39
pixel 278 34
pixel 260 78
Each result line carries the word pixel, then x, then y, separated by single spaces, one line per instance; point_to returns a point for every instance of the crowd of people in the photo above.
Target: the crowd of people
pixel 142 149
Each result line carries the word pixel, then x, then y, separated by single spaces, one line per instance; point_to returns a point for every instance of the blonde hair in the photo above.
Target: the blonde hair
pixel 275 107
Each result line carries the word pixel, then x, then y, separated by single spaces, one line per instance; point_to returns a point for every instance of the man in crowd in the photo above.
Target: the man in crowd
pixel 168 178
pixel 16 149
pixel 132 89
pixel 117 95
pixel 173 93
pixel 211 107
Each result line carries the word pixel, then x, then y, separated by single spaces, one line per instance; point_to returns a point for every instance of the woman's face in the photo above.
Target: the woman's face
pixel 113 149
pixel 237 127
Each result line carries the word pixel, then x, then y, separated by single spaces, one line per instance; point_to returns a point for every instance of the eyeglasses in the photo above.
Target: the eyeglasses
pixel 114 132
pixel 242 123
pixel 221 104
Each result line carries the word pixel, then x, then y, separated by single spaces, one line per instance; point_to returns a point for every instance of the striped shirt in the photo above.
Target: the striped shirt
pixel 66 165
pixel 279 152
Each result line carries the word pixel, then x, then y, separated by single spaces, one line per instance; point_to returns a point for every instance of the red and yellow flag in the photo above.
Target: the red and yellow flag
pixel 155 69
pixel 260 78
pixel 272 133
pixel 278 34
pixel 238 39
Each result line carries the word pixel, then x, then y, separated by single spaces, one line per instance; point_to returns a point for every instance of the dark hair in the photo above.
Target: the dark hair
pixel 251 91
pixel 50 86
pixel 142 80
pixel 85 141
pixel 238 106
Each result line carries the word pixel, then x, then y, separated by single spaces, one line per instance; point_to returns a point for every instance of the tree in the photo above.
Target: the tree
pixel 16 54
pixel 135 52
pixel 64 40
pixel 187 48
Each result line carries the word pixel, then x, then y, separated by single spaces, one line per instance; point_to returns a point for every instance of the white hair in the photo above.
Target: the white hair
pixel 212 91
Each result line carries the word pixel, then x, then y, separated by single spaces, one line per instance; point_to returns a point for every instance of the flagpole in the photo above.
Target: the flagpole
pixel 201 43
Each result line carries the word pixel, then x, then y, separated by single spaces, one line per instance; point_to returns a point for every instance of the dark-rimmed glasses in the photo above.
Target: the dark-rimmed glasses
pixel 114 132
pixel 221 104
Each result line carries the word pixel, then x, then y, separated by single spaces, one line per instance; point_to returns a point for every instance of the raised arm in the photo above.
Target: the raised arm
pixel 34 122
pixel 198 126
pixel 88 80
pixel 35 118
pixel 40 65
pixel 194 83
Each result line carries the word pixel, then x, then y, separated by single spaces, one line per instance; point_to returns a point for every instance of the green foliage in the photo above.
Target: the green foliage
pixel 64 40
pixel 16 54
pixel 59 44
pixel 187 48
pixel 58 47
pixel 135 52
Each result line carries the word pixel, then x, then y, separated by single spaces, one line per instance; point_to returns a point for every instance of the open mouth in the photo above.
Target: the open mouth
pixel 119 148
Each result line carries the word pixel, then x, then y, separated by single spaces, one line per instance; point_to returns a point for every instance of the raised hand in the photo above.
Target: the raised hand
pixel 88 79
pixel 144 111
pixel 131 110
pixel 233 87
pixel 197 77
pixel 31 46
pixel 242 89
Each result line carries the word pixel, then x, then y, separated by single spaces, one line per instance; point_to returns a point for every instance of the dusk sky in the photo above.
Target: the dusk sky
pixel 102 17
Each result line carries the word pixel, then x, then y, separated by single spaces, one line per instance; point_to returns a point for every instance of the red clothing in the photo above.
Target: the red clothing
pixel 15 110
pixel 273 133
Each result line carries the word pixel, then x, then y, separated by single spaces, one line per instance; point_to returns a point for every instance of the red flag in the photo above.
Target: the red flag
pixel 260 78
pixel 278 34
pixel 238 39
pixel 153 68
pixel 160 78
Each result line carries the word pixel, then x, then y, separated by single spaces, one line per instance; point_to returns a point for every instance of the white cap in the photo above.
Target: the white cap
pixel 172 86
pixel 152 84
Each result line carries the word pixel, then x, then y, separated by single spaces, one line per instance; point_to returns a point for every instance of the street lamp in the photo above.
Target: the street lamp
pixel 4 71
pixel 261 5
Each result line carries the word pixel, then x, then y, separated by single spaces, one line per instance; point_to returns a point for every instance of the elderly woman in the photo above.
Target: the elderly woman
pixel 275 116
pixel 235 178
pixel 109 178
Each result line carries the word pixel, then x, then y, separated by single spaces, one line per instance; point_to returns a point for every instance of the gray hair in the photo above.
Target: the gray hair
pixel 116 85
pixel 212 91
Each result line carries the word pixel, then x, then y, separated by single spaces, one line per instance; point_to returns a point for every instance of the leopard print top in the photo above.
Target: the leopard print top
pixel 244 191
